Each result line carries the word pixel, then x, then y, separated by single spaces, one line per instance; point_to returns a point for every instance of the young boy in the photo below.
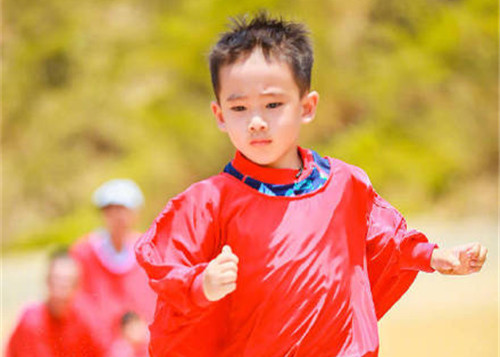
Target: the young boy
pixel 56 327
pixel 284 253
pixel 133 340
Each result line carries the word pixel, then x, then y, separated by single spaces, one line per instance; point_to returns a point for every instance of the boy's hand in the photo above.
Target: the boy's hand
pixel 461 260
pixel 219 277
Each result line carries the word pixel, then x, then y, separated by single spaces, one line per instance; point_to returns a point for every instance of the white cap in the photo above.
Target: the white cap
pixel 121 192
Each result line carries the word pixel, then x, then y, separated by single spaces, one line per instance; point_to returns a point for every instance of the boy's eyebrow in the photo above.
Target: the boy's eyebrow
pixel 234 97
pixel 272 93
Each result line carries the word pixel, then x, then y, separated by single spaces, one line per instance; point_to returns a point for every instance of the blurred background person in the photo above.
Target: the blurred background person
pixel 112 283
pixel 55 327
pixel 133 341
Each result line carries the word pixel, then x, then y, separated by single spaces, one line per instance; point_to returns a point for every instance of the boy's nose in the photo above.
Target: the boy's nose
pixel 257 124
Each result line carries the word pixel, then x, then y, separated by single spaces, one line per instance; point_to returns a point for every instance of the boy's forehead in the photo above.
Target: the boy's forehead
pixel 256 73
pixel 63 266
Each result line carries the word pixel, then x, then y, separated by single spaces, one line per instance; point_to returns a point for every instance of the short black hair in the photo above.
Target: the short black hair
pixel 127 318
pixel 285 40
pixel 61 252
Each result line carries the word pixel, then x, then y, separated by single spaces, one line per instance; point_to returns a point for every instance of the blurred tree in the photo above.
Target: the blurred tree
pixel 103 89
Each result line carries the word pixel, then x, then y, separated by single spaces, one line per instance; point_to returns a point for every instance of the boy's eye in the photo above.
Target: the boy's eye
pixel 274 105
pixel 238 108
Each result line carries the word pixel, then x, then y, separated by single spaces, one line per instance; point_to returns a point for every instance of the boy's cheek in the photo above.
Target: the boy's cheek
pixel 222 127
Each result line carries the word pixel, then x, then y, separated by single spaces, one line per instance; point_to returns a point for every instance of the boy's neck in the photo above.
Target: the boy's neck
pixel 58 310
pixel 294 163
pixel 275 175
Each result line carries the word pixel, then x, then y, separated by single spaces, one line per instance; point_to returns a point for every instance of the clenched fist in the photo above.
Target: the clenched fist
pixel 462 260
pixel 219 277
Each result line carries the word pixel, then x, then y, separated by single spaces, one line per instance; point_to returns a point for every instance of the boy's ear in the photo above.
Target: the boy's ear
pixel 217 111
pixel 309 104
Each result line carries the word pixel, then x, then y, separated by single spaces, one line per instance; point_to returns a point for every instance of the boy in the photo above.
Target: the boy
pixel 112 281
pixel 55 328
pixel 133 341
pixel 285 253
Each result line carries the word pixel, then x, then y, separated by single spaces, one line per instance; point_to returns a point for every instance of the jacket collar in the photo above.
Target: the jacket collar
pixel 274 176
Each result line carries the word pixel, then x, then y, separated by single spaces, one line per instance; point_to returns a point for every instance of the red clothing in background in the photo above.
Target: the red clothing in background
pixel 39 334
pixel 315 271
pixel 111 288
pixel 123 348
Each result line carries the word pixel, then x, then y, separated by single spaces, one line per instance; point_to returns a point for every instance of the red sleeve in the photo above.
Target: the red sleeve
pixel 178 246
pixel 394 254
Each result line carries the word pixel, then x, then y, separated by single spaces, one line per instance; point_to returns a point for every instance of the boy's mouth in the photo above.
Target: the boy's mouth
pixel 260 142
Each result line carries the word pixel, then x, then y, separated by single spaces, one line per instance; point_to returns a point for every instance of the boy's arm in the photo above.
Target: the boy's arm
pixel 388 233
pixel 177 248
pixel 394 253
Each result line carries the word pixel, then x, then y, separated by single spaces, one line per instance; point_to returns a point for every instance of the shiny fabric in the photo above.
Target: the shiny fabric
pixel 39 334
pixel 316 271
pixel 111 286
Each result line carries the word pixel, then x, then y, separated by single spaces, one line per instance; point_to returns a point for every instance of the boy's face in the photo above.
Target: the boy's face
pixel 62 282
pixel 136 331
pixel 261 110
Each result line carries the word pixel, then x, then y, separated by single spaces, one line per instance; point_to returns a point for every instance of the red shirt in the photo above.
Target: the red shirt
pixel 40 334
pixel 110 290
pixel 315 271
pixel 123 348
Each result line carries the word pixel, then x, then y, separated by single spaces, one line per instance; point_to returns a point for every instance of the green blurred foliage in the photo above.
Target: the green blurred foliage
pixel 102 89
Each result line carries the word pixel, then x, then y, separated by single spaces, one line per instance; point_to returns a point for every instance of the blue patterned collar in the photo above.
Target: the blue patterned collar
pixel 316 173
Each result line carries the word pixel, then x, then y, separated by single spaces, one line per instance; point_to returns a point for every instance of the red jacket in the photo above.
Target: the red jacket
pixel 39 334
pixel 110 291
pixel 315 271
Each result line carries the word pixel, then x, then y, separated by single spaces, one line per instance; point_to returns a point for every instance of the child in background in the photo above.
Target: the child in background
pixel 55 328
pixel 285 252
pixel 133 341
pixel 112 281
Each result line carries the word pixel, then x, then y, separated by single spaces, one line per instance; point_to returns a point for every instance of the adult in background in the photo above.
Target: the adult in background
pixel 112 281
pixel 55 327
